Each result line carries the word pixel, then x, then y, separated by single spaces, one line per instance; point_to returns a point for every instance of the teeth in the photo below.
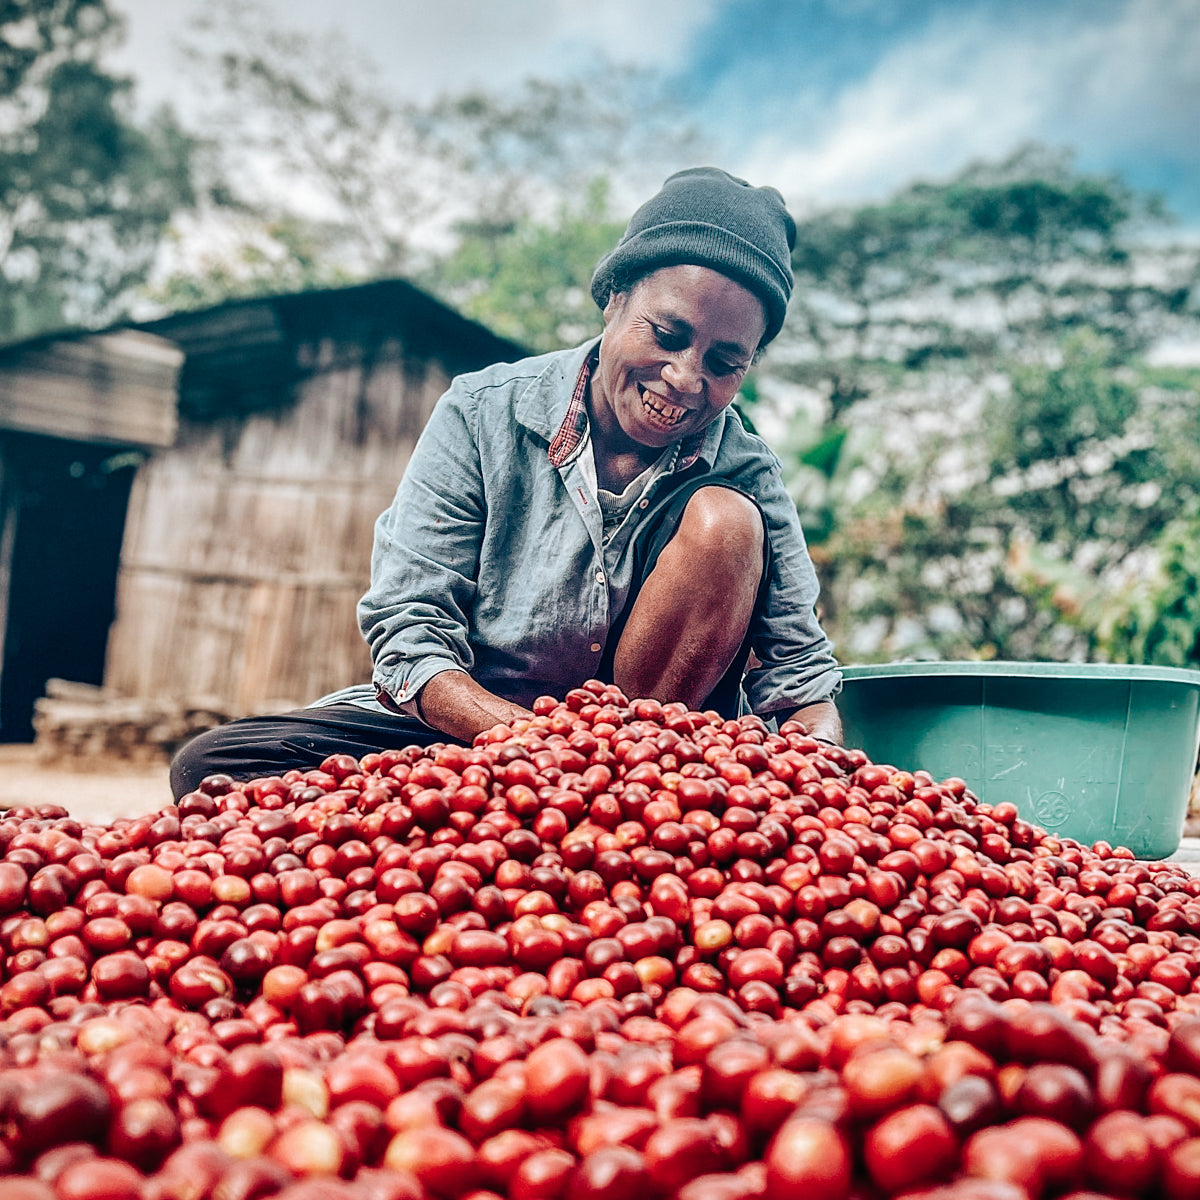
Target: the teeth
pixel 669 412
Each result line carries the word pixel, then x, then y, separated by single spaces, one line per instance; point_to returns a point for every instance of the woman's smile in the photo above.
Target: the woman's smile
pixel 661 411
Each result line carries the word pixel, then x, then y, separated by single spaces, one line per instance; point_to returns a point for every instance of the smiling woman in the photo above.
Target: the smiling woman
pixel 595 513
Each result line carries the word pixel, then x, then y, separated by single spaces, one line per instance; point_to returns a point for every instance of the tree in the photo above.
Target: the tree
pixel 974 352
pixel 1038 535
pixel 473 195
pixel 1113 548
pixel 1162 626
pixel 1004 256
pixel 549 141
pixel 319 176
pixel 85 192
pixel 528 280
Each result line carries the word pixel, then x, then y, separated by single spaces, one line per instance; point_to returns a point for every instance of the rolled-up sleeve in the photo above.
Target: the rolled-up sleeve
pixel 416 614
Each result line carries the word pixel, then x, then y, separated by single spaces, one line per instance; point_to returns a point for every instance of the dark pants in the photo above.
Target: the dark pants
pixel 257 746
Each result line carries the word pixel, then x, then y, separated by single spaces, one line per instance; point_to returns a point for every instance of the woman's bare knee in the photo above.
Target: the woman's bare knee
pixel 718 520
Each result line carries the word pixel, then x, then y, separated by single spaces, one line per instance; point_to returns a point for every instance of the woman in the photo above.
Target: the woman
pixel 591 513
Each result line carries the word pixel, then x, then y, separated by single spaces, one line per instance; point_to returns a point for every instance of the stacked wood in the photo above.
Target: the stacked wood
pixel 77 725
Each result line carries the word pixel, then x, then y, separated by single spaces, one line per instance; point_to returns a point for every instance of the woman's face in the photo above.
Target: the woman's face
pixel 675 350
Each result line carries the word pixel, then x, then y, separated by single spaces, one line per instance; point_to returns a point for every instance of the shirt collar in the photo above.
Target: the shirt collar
pixel 569 437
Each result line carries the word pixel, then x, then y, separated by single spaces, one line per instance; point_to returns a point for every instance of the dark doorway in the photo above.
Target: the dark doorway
pixel 65 505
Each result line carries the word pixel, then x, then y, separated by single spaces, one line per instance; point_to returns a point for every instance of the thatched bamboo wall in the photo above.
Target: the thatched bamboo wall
pixel 247 544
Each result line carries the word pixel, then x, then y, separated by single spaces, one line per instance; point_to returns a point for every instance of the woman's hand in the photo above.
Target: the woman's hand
pixel 454 703
pixel 821 721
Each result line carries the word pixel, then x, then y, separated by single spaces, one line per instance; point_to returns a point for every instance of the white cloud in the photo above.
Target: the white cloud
pixel 423 49
pixel 1118 81
pixel 428 48
pixel 970 87
pixel 1135 81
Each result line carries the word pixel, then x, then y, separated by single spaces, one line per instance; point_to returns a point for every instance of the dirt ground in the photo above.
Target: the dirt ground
pixel 99 793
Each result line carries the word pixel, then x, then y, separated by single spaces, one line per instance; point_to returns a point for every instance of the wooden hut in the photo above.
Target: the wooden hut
pixel 257 459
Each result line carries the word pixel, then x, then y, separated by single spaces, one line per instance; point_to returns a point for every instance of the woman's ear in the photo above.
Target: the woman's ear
pixel 615 303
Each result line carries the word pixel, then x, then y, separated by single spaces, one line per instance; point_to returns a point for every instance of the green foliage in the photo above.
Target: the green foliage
pixel 825 453
pixel 966 273
pixel 1150 616
pixel 1055 412
pixel 498 203
pixel 1080 459
pixel 1034 539
pixel 1005 462
pixel 1100 462
pixel 85 192
pixel 1166 630
pixel 528 280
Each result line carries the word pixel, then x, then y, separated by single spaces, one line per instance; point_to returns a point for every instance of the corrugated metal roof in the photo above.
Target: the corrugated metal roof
pixel 244 355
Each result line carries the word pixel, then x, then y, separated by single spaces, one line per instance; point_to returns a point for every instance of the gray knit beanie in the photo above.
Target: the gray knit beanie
pixel 707 217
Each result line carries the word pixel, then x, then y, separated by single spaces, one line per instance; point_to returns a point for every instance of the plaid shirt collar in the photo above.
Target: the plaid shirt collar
pixel 574 427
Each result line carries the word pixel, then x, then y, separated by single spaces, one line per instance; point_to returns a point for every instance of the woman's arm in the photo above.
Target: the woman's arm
pixel 416 613
pixel 796 669
pixel 454 703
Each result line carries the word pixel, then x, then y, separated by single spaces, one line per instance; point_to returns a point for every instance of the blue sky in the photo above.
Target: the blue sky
pixel 849 98
pixel 833 101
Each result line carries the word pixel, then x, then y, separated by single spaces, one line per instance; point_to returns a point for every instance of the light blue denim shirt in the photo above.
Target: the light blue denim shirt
pixel 492 558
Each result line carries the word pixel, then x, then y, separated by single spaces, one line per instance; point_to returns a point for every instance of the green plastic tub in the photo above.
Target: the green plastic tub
pixel 1095 752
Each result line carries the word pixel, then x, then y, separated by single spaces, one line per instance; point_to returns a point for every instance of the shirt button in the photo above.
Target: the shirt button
pixel 643 504
pixel 596 647
pixel 599 576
